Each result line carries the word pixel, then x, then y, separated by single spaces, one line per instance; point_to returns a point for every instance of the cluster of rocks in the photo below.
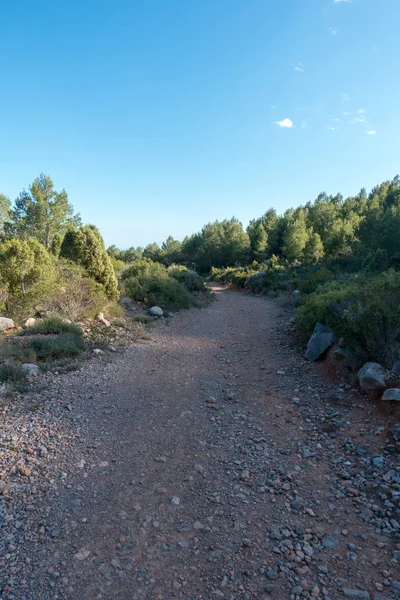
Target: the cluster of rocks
pixel 372 377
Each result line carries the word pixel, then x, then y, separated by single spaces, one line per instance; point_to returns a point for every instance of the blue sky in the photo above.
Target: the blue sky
pixel 158 116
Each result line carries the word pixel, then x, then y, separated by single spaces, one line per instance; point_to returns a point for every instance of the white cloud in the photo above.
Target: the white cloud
pixel 273 107
pixel 361 111
pixel 304 124
pixel 338 1
pixel 331 127
pixel 360 119
pixel 286 123
pixel 332 31
pixel 297 67
pixel 371 132
pixel 345 98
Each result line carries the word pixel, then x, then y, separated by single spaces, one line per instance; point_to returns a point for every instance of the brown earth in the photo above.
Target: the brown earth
pixel 212 461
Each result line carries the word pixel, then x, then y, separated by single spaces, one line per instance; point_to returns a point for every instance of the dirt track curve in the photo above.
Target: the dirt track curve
pixel 210 462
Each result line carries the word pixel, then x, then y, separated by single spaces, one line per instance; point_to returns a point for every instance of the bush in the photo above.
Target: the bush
pixel 190 279
pixel 52 325
pixel 76 295
pixel 14 374
pixel 365 313
pixel 315 279
pixel 65 345
pixel 164 292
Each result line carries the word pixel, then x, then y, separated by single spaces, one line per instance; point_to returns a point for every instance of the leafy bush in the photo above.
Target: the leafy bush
pixel 13 373
pixel 52 325
pixel 76 295
pixel 315 279
pixel 159 291
pixel 144 267
pixel 365 313
pixel 190 279
pixel 65 345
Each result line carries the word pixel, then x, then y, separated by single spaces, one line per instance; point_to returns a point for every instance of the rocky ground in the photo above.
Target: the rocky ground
pixel 210 461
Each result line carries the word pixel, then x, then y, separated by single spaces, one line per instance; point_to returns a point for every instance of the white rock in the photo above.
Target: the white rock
pixel 175 500
pixel 372 376
pixel 30 369
pixel 6 323
pixel 103 320
pixel 156 311
pixel 97 351
pixel 82 554
pixel 392 394
pixel 30 322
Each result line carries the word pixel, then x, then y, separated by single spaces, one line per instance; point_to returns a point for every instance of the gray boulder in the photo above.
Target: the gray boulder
pixel 396 368
pixel 156 311
pixel 321 328
pixel 6 323
pixel 321 339
pixel 127 304
pixel 372 377
pixel 392 394
pixel 30 369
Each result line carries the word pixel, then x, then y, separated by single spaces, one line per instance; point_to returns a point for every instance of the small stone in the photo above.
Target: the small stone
pixel 328 541
pixel 392 394
pixel 30 369
pixel 98 351
pixel 272 574
pixel 175 500
pixel 156 311
pixel 82 554
pixel 356 594
pixel 25 471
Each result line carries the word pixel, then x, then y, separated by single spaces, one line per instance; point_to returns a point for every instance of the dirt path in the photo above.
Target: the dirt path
pixel 211 462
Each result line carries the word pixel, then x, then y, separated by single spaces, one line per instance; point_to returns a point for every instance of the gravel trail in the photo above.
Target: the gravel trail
pixel 211 461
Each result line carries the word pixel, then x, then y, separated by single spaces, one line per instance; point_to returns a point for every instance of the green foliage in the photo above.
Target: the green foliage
pixel 27 273
pixel 56 244
pixel 219 244
pixel 5 206
pixel 41 213
pixel 191 280
pixel 65 345
pixel 144 266
pixel 75 295
pixel 314 279
pixel 164 292
pixel 86 248
pixel 169 288
pixel 14 374
pixel 365 313
pixel 52 325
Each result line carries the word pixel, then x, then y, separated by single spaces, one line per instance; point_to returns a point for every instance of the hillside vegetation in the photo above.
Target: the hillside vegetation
pixel 340 257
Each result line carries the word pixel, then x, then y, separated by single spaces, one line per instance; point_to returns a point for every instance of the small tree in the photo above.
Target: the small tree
pixel 27 271
pixel 85 248
pixel 41 213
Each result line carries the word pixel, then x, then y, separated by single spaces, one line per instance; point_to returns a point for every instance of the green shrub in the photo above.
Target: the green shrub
pixel 190 279
pixel 16 350
pixel 14 374
pixel 315 279
pixel 52 325
pixel 364 313
pixel 164 292
pixel 65 345
pixel 144 267
pixel 76 295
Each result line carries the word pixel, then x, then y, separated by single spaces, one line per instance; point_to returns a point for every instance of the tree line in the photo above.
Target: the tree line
pixel 331 227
